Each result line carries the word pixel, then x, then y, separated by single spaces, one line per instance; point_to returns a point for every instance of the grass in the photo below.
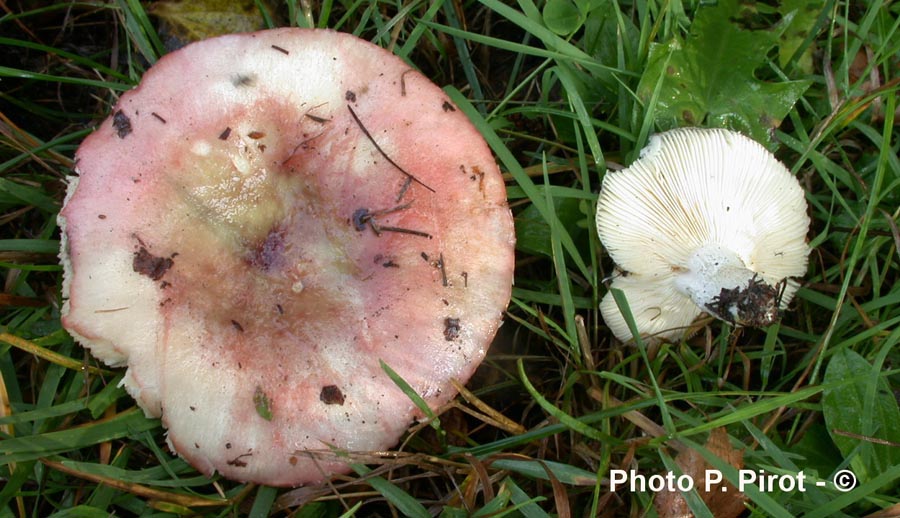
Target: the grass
pixel 560 93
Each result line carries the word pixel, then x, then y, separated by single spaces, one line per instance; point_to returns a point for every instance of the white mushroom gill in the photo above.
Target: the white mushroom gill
pixel 706 220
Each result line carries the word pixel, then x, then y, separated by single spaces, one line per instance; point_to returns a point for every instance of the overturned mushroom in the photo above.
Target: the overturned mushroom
pixel 706 220
pixel 247 231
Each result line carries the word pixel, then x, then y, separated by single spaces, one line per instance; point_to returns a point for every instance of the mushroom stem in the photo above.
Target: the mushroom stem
pixel 718 281
pixel 710 269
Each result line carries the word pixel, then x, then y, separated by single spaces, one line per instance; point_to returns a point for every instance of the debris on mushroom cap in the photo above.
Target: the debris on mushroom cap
pixel 705 220
pixel 264 220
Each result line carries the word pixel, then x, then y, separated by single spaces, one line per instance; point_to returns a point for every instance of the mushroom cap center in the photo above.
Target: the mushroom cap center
pixel 257 247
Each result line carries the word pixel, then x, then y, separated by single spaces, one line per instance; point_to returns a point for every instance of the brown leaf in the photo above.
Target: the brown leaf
pixel 722 499
pixel 858 68
pixel 890 512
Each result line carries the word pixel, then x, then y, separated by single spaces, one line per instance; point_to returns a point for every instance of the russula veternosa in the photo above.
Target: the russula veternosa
pixel 264 220
pixel 706 220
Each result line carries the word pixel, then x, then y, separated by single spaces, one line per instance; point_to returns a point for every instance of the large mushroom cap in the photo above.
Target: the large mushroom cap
pixel 705 220
pixel 265 219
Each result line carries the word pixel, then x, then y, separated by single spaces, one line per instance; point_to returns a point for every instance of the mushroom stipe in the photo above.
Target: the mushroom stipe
pixel 219 242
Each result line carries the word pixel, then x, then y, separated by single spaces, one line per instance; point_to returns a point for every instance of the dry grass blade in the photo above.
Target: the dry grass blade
pixel 585 344
pixel 480 470
pixel 8 300
pixel 895 231
pixel 143 491
pixel 873 440
pixel 560 495
pixel 5 407
pixel 490 416
pixel 27 257
pixel 24 142
pixel 51 356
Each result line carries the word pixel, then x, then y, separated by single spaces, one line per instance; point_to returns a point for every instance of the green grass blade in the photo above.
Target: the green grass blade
pixel 406 504
pixel 124 424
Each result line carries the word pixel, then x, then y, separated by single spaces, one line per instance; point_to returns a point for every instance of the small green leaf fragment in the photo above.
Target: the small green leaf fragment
pixel 263 404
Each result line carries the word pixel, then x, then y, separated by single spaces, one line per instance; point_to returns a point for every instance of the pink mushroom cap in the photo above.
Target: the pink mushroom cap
pixel 260 224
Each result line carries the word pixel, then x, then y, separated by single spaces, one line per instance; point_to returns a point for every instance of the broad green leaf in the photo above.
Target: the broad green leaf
pixel 562 16
pixel 816 451
pixel 859 402
pixel 533 231
pixel 708 79
pixel 188 21
pixel 606 33
pixel 613 40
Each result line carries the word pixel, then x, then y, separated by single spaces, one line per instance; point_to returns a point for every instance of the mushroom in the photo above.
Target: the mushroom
pixel 706 220
pixel 266 222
